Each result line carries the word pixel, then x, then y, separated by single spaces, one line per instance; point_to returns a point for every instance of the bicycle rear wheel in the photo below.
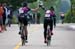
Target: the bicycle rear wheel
pixel 23 38
pixel 23 42
pixel 49 41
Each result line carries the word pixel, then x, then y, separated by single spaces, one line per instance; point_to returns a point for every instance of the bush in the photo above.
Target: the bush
pixel 73 19
pixel 69 18
pixel 14 20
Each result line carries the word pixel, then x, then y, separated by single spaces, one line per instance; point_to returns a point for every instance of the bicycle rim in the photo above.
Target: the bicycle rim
pixel 48 41
pixel 23 42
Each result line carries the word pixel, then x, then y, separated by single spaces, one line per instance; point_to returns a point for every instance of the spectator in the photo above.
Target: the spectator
pixel 4 16
pixel 9 15
pixel 38 17
pixel 1 17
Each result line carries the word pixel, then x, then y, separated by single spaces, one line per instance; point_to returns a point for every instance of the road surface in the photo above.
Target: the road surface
pixel 63 38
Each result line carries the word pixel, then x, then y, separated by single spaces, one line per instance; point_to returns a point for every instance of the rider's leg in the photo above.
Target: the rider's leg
pixel 26 32
pixel 51 26
pixel 25 21
pixel 45 30
pixel 20 21
pixel 62 20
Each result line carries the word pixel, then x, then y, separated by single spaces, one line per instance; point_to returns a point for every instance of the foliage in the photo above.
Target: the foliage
pixel 33 3
pixel 70 16
pixel 16 3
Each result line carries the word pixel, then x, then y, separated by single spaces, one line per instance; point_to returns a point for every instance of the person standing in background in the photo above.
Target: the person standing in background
pixel 1 17
pixel 10 14
pixel 38 17
pixel 4 16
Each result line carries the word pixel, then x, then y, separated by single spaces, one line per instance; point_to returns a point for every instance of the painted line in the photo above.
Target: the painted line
pixel 18 45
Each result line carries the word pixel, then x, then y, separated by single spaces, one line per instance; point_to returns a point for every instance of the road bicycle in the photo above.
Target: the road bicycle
pixel 23 37
pixel 48 36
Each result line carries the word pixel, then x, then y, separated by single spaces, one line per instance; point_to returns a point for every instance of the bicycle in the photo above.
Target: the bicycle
pixel 23 38
pixel 48 36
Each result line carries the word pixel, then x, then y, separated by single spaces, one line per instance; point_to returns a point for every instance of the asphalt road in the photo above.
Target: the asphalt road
pixel 63 38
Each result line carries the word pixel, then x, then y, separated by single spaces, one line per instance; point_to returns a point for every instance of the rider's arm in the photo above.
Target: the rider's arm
pixel 34 10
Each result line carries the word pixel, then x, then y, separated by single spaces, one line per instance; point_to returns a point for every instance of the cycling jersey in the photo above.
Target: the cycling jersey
pixel 47 14
pixel 23 15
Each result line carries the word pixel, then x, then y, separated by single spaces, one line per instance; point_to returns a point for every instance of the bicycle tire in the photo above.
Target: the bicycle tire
pixel 49 41
pixel 23 37
pixel 23 42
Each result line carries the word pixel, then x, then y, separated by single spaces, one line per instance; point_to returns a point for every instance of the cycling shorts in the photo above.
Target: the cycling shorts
pixel 23 20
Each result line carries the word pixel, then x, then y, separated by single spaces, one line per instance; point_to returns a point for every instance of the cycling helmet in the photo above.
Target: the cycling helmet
pixel 24 4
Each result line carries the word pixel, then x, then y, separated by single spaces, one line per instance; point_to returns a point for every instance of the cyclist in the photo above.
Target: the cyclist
pixel 48 20
pixel 24 10
pixel 62 17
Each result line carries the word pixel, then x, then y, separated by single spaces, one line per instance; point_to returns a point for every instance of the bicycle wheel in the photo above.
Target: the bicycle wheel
pixel 48 40
pixel 23 37
pixel 23 42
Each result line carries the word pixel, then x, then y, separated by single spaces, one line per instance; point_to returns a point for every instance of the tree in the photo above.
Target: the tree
pixel 70 16
pixel 16 3
pixel 30 1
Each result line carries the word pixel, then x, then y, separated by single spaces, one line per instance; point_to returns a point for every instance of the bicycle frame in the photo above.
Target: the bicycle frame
pixel 23 38
pixel 48 36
